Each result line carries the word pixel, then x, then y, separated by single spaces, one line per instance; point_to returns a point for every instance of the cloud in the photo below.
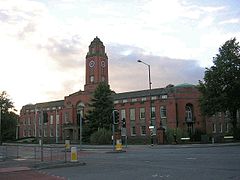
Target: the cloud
pixel 127 74
pixel 230 21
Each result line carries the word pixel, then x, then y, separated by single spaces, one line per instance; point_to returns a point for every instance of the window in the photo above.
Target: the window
pixel 142 113
pixel 133 131
pixel 51 132
pixel 227 128
pixel 45 132
pixel 153 97
pixel 58 131
pixel 29 121
pixel 124 100
pixel 143 99
pixel 220 128
pixel 132 114
pixel 103 78
pixel 134 100
pixel 51 119
pixel 66 118
pixel 164 96
pixel 91 79
pixel 57 119
pixel 214 128
pixel 39 132
pixel 116 102
pixel 163 112
pixel 143 130
pixel 29 133
pixel 24 133
pixel 123 113
pixel 153 114
pixel 39 120
pixel 189 113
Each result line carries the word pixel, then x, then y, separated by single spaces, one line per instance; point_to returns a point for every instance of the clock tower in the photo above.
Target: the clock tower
pixel 96 65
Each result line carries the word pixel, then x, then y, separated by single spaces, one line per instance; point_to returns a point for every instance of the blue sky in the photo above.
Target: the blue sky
pixel 44 43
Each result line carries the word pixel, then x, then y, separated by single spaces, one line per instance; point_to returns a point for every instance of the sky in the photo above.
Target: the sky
pixel 44 43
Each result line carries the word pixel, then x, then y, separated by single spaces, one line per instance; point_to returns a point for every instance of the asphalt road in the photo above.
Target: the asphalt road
pixel 157 163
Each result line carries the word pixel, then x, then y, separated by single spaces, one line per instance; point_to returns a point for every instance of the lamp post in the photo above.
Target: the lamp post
pixel 0 125
pixel 150 88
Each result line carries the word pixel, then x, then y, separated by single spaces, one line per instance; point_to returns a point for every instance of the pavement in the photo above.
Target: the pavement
pixel 15 165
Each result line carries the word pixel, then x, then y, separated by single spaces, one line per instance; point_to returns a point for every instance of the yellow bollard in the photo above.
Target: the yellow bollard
pixel 74 157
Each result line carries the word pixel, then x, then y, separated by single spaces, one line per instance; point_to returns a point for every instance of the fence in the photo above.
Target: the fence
pixel 33 152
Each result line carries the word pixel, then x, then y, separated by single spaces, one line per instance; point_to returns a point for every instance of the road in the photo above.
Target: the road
pixel 157 163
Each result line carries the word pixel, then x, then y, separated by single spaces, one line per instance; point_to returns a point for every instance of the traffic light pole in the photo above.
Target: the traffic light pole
pixel 113 129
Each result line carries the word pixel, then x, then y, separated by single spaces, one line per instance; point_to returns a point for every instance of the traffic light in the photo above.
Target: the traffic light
pixel 45 117
pixel 124 123
pixel 116 116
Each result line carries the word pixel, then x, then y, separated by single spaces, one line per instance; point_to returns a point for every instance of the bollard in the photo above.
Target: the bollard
pixel 74 157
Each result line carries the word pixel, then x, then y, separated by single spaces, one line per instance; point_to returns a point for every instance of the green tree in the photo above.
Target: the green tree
pixel 221 86
pixel 8 118
pixel 100 115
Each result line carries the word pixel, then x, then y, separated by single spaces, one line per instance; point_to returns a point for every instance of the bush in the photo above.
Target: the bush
pixel 102 136
pixel 179 134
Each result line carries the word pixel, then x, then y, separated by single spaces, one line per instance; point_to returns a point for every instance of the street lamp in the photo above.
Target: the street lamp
pixel 150 88
pixel 0 125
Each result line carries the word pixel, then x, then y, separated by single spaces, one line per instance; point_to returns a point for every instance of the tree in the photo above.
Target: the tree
pixel 8 118
pixel 221 86
pixel 100 115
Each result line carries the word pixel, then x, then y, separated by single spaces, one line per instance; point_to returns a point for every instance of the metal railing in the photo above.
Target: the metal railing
pixel 33 152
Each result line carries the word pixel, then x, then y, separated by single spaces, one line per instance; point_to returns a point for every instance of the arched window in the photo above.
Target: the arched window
pixel 189 113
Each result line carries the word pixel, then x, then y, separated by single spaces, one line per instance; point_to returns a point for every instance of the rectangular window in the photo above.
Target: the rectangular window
pixel 221 129
pixel 124 100
pixel 142 113
pixel 45 131
pixel 39 132
pixel 144 99
pixel 51 132
pixel 153 114
pixel 116 101
pixel 123 113
pixel 164 96
pixel 29 133
pixel 51 119
pixel 134 100
pixel 57 118
pixel 34 132
pixel 132 114
pixel 153 97
pixel 58 131
pixel 29 121
pixel 143 130
pixel 214 127
pixel 39 119
pixel 163 112
pixel 227 127
pixel 133 131
pixel 66 117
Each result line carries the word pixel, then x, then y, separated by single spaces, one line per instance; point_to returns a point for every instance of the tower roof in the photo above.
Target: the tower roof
pixel 96 41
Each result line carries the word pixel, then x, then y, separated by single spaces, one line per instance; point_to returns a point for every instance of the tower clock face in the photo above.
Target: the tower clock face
pixel 91 64
pixel 103 63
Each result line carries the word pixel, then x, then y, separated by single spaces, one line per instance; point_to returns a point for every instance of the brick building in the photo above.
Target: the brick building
pixel 171 107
